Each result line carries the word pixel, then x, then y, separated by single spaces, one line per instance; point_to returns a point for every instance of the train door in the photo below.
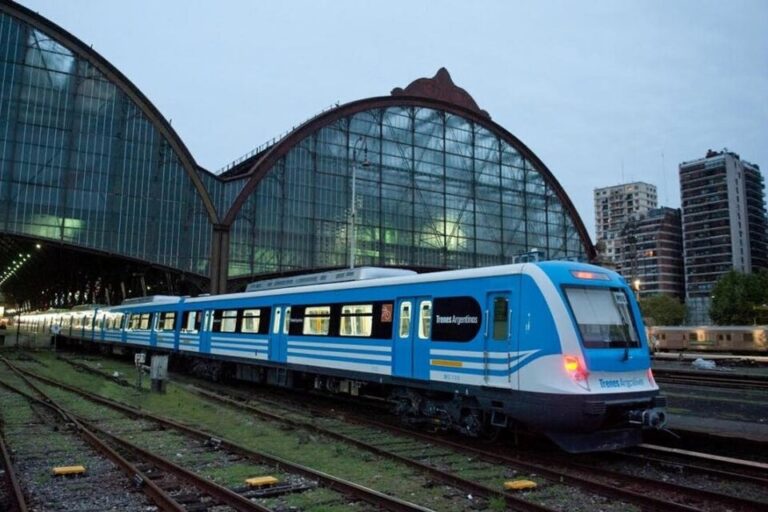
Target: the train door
pixel 498 339
pixel 206 326
pixel 412 338
pixel 278 342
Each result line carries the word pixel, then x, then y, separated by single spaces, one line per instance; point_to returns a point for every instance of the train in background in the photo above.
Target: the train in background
pixel 556 347
pixel 739 339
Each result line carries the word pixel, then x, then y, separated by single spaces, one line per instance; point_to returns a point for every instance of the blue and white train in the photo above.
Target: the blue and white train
pixel 558 347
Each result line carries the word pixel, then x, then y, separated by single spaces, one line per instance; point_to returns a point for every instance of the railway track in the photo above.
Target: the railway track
pixel 43 438
pixel 741 470
pixel 354 492
pixel 647 493
pixel 414 454
pixel 632 488
pixel 11 496
pixel 168 485
pixel 710 378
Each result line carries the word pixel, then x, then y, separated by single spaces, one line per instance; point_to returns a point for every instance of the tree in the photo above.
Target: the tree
pixel 737 298
pixel 662 310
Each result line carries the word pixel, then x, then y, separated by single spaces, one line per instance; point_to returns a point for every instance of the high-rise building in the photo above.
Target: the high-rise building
pixel 724 224
pixel 649 253
pixel 614 207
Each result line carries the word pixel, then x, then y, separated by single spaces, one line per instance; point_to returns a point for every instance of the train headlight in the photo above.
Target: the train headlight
pixel 574 368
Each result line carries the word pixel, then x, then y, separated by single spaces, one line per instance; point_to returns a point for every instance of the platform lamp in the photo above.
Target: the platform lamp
pixel 360 142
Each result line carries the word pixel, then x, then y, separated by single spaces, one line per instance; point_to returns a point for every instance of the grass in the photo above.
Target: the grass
pixel 297 446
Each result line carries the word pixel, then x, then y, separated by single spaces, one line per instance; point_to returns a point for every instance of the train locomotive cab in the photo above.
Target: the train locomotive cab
pixel 600 385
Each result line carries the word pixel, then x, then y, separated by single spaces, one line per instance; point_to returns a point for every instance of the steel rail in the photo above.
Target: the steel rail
pixel 453 479
pixel 733 381
pixel 631 480
pixel 719 473
pixel 586 483
pixel 208 487
pixel 638 497
pixel 706 456
pixel 162 499
pixel 19 505
pixel 449 478
pixel 346 487
pixel 552 475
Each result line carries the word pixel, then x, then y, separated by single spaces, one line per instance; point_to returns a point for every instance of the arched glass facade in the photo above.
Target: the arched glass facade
pixel 82 163
pixel 433 189
pixel 86 160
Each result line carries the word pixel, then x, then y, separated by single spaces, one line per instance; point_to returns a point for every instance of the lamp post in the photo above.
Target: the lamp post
pixel 353 207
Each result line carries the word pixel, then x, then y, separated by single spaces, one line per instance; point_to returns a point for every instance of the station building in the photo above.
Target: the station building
pixel 422 178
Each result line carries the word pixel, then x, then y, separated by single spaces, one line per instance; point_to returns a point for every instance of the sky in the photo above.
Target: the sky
pixel 604 92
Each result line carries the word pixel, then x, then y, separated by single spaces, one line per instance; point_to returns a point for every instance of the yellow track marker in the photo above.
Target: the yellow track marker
pixel 261 481
pixel 519 485
pixel 68 470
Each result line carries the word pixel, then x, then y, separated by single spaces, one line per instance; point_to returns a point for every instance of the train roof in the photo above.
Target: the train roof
pixel 448 275
pixel 332 276
pixel 151 299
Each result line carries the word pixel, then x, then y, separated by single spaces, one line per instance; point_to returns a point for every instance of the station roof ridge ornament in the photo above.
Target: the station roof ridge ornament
pixel 441 87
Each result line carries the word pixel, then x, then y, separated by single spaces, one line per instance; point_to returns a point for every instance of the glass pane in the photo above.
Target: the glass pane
pixel 356 320
pixel 603 317
pixel 251 320
pixel 405 319
pixel 500 318
pixel 425 323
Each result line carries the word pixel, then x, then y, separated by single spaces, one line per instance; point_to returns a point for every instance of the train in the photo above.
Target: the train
pixel 733 339
pixel 555 347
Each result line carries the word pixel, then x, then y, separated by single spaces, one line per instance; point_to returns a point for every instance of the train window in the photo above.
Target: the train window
pixel 112 322
pixel 190 322
pixel 251 320
pixel 227 321
pixel 500 318
pixel 748 336
pixel 425 319
pixel 603 317
pixel 276 327
pixel 356 320
pixel 144 322
pixel 167 321
pixel 287 320
pixel 317 320
pixel 405 319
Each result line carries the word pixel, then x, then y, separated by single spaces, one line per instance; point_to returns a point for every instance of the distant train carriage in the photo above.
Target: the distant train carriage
pixel 555 346
pixel 748 339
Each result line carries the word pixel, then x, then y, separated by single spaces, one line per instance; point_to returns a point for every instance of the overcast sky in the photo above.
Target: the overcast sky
pixel 604 92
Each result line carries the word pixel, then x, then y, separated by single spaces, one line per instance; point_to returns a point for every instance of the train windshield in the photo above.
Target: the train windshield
pixel 603 316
